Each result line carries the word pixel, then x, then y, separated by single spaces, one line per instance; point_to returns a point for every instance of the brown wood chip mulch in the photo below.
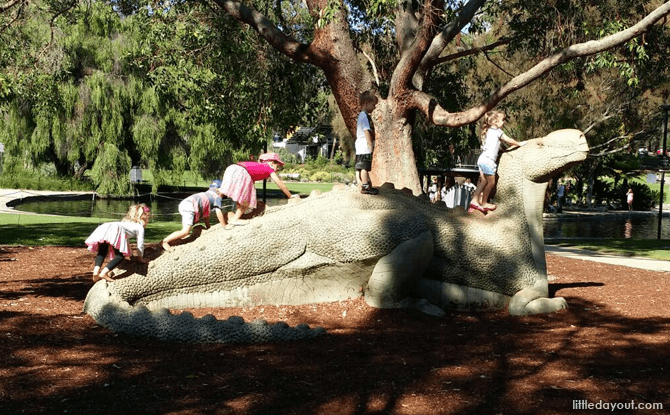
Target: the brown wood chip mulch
pixel 612 346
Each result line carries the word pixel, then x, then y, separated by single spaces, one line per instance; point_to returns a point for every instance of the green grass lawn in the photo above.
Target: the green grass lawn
pixel 296 187
pixel 37 230
pixel 649 248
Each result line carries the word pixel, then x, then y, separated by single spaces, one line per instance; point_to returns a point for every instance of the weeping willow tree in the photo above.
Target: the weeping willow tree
pixel 166 89
pixel 69 104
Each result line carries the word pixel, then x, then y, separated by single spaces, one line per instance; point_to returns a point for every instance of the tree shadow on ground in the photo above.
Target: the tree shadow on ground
pixel 397 361
pixel 553 288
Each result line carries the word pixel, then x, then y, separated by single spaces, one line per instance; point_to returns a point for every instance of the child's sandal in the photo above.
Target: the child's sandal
pixel 474 207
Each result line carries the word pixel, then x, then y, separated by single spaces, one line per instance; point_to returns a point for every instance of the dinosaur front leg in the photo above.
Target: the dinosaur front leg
pixel 390 277
pixel 534 301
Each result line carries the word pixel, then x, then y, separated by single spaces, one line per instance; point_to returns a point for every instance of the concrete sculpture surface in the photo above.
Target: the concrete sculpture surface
pixel 333 246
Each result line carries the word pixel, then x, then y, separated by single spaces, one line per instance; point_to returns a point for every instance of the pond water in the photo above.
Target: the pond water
pixel 164 208
pixel 636 226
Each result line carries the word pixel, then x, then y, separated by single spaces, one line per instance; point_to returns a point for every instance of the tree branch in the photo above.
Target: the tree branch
pixel 11 22
pixel 472 51
pixel 602 119
pixel 407 24
pixel 411 58
pixel 8 5
pixel 441 41
pixel 606 153
pixel 608 142
pixel 630 139
pixel 439 116
pixel 488 58
pixel 65 8
pixel 290 47
pixel 374 67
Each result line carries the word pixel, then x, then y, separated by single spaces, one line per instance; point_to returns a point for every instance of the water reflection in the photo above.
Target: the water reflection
pixel 163 208
pixel 607 225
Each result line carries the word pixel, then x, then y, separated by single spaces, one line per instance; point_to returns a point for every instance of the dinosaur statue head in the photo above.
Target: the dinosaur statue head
pixel 546 157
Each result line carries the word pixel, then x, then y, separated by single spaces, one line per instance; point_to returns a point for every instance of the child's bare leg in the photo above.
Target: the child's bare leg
pixel 477 195
pixel 490 184
pixel 365 177
pixel 103 275
pixel 96 271
pixel 241 208
pixel 165 243
pixel 103 249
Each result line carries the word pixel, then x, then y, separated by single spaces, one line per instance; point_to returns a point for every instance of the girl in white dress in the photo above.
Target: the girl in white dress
pixel 115 235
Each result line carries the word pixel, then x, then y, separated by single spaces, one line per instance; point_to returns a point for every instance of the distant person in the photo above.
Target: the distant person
pixel 432 191
pixel 195 208
pixel 238 182
pixel 492 135
pixel 365 142
pixel 469 185
pixel 443 193
pixel 629 199
pixel 560 196
pixel 112 238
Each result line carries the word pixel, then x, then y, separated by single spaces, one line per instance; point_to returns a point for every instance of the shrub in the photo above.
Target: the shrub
pixel 342 177
pixel 643 197
pixel 303 172
pixel 320 176
pixel 318 163
pixel 289 159
pixel 33 180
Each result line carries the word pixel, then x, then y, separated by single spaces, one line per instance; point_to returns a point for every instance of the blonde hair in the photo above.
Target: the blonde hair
pixel 365 97
pixel 489 118
pixel 135 212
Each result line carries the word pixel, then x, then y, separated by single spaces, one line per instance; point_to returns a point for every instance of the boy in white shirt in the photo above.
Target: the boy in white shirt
pixel 365 137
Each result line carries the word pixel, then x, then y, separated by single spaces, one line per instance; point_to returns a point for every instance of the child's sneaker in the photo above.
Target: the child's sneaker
pixel 366 189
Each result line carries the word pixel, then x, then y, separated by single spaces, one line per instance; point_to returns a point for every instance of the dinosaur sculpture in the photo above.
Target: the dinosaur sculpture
pixel 328 246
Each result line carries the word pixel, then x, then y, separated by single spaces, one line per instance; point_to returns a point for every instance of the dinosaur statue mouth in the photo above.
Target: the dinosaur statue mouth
pixel 561 170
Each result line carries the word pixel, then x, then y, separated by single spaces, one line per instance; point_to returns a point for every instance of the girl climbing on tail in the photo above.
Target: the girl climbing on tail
pixel 112 238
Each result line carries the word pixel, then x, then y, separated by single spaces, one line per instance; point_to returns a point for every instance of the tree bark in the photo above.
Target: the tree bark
pixel 393 158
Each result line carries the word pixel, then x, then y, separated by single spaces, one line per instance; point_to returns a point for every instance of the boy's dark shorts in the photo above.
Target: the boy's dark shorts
pixel 364 162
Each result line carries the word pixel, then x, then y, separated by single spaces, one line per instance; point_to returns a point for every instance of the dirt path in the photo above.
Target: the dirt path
pixel 611 346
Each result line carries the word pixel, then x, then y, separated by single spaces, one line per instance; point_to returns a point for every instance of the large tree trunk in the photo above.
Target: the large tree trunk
pixel 393 159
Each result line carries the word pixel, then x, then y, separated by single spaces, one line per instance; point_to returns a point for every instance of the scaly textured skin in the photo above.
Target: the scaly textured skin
pixel 328 246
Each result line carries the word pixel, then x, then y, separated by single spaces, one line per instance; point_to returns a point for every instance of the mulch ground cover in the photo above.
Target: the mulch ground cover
pixel 611 347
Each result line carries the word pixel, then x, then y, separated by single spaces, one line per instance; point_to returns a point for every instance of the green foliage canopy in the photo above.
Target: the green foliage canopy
pixel 165 87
